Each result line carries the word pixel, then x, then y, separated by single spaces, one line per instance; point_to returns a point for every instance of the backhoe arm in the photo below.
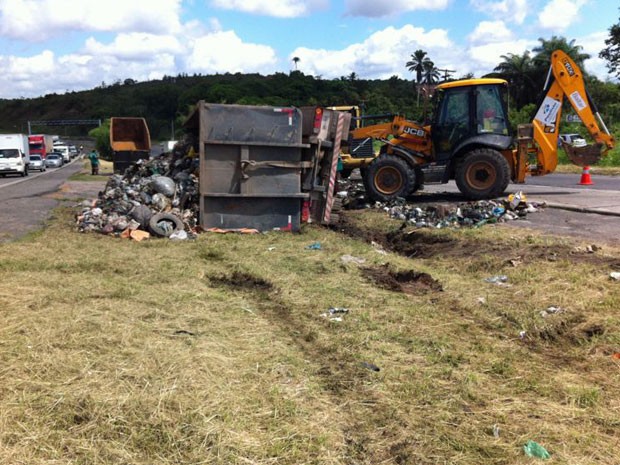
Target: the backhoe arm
pixel 566 80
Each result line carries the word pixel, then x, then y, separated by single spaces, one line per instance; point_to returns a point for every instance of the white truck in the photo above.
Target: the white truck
pixel 14 154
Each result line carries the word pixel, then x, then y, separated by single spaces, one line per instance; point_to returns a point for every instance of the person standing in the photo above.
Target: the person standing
pixel 94 162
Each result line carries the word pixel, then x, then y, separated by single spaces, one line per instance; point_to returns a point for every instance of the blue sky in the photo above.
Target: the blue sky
pixel 55 46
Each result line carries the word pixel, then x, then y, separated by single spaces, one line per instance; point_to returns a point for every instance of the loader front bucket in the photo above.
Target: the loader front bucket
pixel 583 156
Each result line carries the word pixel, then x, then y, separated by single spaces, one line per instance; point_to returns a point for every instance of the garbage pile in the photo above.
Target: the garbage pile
pixel 157 197
pixel 474 214
pixel 466 214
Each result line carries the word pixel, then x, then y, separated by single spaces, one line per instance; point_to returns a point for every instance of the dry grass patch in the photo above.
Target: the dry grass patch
pixel 219 350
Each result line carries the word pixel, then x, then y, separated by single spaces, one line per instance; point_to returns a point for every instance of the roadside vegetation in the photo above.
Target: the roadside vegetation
pixel 222 349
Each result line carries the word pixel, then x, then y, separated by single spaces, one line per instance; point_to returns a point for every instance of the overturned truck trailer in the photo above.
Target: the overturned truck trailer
pixel 130 141
pixel 265 167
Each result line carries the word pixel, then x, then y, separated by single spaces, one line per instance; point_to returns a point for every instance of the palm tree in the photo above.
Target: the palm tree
pixel 519 71
pixel 296 60
pixel 417 63
pixel 431 73
pixel 547 47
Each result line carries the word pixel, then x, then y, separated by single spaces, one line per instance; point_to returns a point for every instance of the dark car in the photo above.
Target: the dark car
pixel 53 160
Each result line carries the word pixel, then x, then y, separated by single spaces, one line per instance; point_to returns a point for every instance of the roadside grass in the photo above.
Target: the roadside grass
pixel 216 350
pixel 106 169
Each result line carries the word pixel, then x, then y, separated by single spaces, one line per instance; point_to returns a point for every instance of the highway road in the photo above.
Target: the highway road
pixel 26 203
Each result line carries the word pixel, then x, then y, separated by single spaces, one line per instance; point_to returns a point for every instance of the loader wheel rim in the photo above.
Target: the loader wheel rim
pixel 481 175
pixel 389 180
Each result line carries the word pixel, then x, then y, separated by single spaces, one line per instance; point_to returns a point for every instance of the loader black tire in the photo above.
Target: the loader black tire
pixel 482 174
pixel 388 177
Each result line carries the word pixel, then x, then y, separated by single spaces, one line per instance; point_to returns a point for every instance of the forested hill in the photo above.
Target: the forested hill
pixel 165 103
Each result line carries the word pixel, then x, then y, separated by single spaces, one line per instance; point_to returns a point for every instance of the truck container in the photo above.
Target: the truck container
pixel 14 154
pixel 40 144
pixel 130 142
pixel 266 167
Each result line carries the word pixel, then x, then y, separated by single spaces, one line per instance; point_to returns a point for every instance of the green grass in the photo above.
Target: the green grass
pixel 215 350
pixel 105 170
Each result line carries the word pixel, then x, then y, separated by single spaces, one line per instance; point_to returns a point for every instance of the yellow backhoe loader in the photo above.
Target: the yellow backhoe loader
pixel 469 139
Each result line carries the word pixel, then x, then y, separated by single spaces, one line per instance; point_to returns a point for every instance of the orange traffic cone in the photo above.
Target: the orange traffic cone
pixel 586 180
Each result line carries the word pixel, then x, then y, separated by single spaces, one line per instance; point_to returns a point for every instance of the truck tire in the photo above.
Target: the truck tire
pixel 483 174
pixel 173 223
pixel 388 177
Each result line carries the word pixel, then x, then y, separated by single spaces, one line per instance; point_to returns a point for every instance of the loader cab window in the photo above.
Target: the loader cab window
pixel 490 110
pixel 452 120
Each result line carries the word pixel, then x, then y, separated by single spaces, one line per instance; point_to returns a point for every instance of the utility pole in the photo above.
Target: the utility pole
pixel 446 73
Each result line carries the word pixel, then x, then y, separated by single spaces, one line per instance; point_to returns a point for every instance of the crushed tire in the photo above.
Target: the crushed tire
pixel 164 224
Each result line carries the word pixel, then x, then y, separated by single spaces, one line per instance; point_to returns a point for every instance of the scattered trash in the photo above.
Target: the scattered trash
pixel 378 248
pixel 533 449
pixel 495 431
pixel 370 366
pixel 522 334
pixel 615 275
pixel 499 279
pixel 514 200
pixel 333 312
pixel 314 246
pixel 179 235
pixel 482 300
pixel 183 332
pixel 551 311
pixel 616 356
pixel 271 249
pixel 592 248
pixel 467 214
pixel 352 259
pixel 166 185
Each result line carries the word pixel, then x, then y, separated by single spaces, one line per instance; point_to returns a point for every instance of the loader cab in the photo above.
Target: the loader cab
pixel 468 113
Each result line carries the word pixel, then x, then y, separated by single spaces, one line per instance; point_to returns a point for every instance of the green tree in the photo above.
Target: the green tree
pixel 542 57
pixel 417 63
pixel 296 60
pixel 518 70
pixel 430 74
pixel 611 53
pixel 102 139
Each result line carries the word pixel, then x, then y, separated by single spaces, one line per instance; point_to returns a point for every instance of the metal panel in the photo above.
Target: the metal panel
pixel 262 213
pixel 250 166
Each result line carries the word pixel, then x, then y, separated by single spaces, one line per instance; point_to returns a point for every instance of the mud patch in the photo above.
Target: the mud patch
pixel 490 256
pixel 417 244
pixel 408 282
pixel 243 281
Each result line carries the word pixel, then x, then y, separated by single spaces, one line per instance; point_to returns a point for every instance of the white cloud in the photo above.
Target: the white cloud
pixel 209 56
pixel 277 8
pixel 22 19
pixel 381 55
pixel 382 8
pixel 592 44
pixel 489 32
pixel 558 15
pixel 511 11
pixel 136 46
pixel 488 56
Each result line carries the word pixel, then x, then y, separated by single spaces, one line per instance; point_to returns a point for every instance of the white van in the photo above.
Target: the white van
pixel 64 149
pixel 14 154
